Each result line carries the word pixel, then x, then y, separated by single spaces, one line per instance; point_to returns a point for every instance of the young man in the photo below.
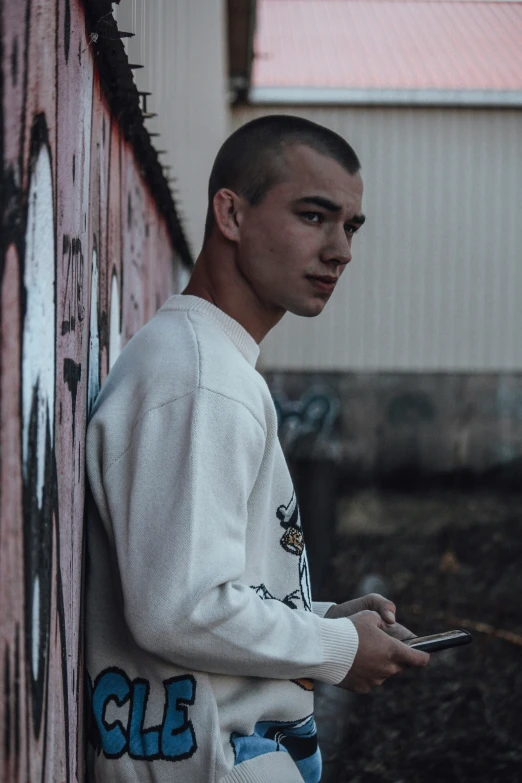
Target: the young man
pixel 202 639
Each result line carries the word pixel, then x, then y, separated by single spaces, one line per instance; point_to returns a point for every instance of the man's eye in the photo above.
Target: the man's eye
pixel 351 229
pixel 312 217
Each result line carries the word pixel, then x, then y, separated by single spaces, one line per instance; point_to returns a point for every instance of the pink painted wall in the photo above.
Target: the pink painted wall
pixel 85 260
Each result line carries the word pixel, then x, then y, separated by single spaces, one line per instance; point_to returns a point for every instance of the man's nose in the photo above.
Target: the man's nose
pixel 339 250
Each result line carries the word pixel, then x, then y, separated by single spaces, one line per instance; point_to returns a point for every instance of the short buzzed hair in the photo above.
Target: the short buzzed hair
pixel 251 160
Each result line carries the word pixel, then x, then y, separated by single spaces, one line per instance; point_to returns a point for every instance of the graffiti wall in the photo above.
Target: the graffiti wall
pixel 396 428
pixel 86 258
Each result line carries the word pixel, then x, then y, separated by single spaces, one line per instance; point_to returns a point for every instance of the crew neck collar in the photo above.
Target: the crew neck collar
pixel 243 341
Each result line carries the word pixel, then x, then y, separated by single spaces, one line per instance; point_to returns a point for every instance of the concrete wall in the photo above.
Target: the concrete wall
pixel 435 281
pixel 85 260
pixel 404 428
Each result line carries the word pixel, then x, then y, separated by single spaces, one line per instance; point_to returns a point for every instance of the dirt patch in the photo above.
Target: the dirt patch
pixel 447 560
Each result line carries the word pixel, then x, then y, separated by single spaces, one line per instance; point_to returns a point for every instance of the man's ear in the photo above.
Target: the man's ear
pixel 227 207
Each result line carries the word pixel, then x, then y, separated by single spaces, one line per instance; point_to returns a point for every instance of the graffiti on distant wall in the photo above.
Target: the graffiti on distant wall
pixel 78 229
pixel 308 419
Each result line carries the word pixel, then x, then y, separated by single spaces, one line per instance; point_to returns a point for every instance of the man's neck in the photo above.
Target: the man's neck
pixel 219 282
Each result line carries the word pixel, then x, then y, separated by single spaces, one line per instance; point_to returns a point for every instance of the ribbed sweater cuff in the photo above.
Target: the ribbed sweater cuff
pixel 340 641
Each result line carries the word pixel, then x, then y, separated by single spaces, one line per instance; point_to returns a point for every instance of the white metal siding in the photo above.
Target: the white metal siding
pixel 436 280
pixel 182 46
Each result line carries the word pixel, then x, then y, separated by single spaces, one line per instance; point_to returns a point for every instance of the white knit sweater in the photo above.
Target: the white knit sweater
pixel 200 640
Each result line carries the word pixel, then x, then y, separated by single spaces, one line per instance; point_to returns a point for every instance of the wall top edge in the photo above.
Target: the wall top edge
pixel 122 94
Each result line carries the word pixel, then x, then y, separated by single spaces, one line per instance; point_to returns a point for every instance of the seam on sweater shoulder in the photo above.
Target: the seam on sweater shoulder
pixel 213 391
pixel 239 402
pixel 140 419
pixel 171 402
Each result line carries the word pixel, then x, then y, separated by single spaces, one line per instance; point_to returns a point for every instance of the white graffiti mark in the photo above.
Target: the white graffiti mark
pixel 38 362
pixel 93 386
pixel 114 323
pixel 38 375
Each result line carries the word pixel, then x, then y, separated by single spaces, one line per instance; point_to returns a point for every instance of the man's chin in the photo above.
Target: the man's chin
pixel 309 309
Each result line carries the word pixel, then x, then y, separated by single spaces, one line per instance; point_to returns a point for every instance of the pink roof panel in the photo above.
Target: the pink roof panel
pixel 389 44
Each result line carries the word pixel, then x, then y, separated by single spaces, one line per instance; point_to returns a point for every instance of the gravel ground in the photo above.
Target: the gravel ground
pixel 448 560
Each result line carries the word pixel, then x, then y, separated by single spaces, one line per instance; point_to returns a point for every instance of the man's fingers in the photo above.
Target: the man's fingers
pixel 387 610
pixel 407 656
pixel 378 603
pixel 398 631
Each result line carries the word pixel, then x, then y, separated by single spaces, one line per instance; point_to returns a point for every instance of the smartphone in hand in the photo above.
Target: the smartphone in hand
pixel 439 641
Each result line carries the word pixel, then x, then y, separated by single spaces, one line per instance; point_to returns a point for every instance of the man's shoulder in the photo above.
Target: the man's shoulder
pixel 176 354
pixel 157 365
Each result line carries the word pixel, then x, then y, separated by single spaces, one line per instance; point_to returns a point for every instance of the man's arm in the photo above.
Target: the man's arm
pixel 176 507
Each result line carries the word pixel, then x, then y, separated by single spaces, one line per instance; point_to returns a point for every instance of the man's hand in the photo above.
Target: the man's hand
pixel 379 655
pixel 373 601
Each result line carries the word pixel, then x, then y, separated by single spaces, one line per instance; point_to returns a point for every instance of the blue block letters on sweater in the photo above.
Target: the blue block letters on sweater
pixel 173 740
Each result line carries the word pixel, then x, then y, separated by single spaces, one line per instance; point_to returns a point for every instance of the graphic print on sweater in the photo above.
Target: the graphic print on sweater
pixel 298 738
pixel 173 740
pixel 292 541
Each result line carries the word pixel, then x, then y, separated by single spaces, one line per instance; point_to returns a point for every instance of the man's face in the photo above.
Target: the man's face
pixel 294 245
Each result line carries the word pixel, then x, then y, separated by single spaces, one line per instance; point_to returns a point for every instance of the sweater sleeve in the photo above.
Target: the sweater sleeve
pixel 176 501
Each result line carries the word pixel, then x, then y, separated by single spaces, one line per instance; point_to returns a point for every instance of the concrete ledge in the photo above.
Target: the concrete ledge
pixel 404 427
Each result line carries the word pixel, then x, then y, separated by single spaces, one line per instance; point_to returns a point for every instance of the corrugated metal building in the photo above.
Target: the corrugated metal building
pixel 415 365
pixel 430 96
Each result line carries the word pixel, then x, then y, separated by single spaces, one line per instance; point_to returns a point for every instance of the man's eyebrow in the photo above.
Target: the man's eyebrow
pixel 331 206
pixel 320 201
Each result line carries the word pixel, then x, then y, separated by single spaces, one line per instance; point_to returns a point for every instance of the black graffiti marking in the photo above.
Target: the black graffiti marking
pixel 63 647
pixel 17 726
pixel 38 547
pixel 72 375
pixel 93 736
pixel 7 704
pixel 73 309
pixel 67 29
pixel 14 61
pixel 103 330
pixel 74 168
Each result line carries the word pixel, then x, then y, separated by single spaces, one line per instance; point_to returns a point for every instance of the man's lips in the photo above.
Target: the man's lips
pixel 323 282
